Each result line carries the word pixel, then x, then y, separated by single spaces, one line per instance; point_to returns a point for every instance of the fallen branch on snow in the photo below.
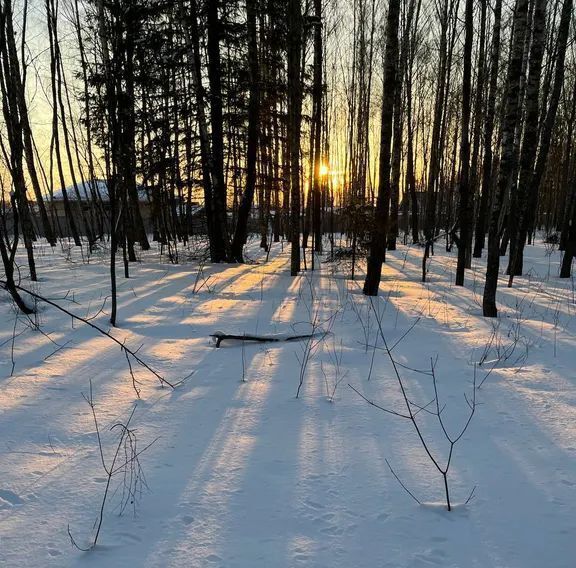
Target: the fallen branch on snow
pixel 219 336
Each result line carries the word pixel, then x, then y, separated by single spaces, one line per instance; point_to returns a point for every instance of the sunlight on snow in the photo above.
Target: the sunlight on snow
pixel 220 471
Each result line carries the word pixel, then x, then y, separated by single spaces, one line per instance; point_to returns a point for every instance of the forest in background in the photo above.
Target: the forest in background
pixel 421 120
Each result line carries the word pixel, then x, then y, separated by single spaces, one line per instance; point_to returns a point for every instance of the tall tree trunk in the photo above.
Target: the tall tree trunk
pixel 111 149
pixel 410 185
pixel 465 211
pixel 480 232
pixel 507 156
pixel 317 120
pixel 65 133
pixel 70 215
pixel 528 219
pixel 20 88
pixel 127 110
pixel 570 249
pixel 241 232
pixel 379 231
pixel 192 37
pixel 570 198
pixel 530 139
pixel 219 204
pixel 10 79
pixel 293 131
pixel 397 129
pixel 439 107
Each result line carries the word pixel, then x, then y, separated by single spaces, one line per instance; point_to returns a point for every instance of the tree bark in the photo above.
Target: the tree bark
pixel 192 36
pixel 465 211
pixel 510 121
pixel 529 140
pixel 245 207
pixel 293 129
pixel 317 119
pixel 379 231
pixel 528 219
pixel 219 204
pixel 480 232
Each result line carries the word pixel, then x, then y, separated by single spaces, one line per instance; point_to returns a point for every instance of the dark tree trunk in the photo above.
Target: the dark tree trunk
pixel 293 130
pixel 192 36
pixel 528 219
pixel 465 211
pixel 136 231
pixel 570 250
pixel 529 140
pixel 317 120
pixel 570 199
pixel 379 232
pixel 510 121
pixel 70 215
pixel 19 87
pixel 486 191
pixel 439 108
pixel 8 263
pixel 241 232
pixel 219 205
pixel 10 79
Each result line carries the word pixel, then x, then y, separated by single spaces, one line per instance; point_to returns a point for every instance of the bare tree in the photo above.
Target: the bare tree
pixel 379 232
pixel 293 129
pixel 507 155
pixel 465 212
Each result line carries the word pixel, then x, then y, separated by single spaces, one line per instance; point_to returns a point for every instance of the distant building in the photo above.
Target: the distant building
pixel 94 197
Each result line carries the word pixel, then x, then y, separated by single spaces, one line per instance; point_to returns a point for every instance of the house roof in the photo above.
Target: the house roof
pixel 85 191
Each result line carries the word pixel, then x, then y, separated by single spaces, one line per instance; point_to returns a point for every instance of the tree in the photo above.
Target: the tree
pixel 13 156
pixel 507 155
pixel 533 177
pixel 519 196
pixel 487 163
pixel 241 232
pixel 293 130
pixel 379 231
pixel 317 128
pixel 219 202
pixel 465 212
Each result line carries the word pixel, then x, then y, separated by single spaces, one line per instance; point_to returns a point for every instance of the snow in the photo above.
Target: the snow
pixel 240 473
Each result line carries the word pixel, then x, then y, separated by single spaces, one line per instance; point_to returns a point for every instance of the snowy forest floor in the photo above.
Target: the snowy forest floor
pixel 241 473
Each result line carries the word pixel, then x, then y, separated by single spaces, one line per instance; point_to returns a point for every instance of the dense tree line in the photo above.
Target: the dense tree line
pixel 425 120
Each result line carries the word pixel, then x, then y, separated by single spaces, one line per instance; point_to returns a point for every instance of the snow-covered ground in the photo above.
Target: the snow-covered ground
pixel 241 473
